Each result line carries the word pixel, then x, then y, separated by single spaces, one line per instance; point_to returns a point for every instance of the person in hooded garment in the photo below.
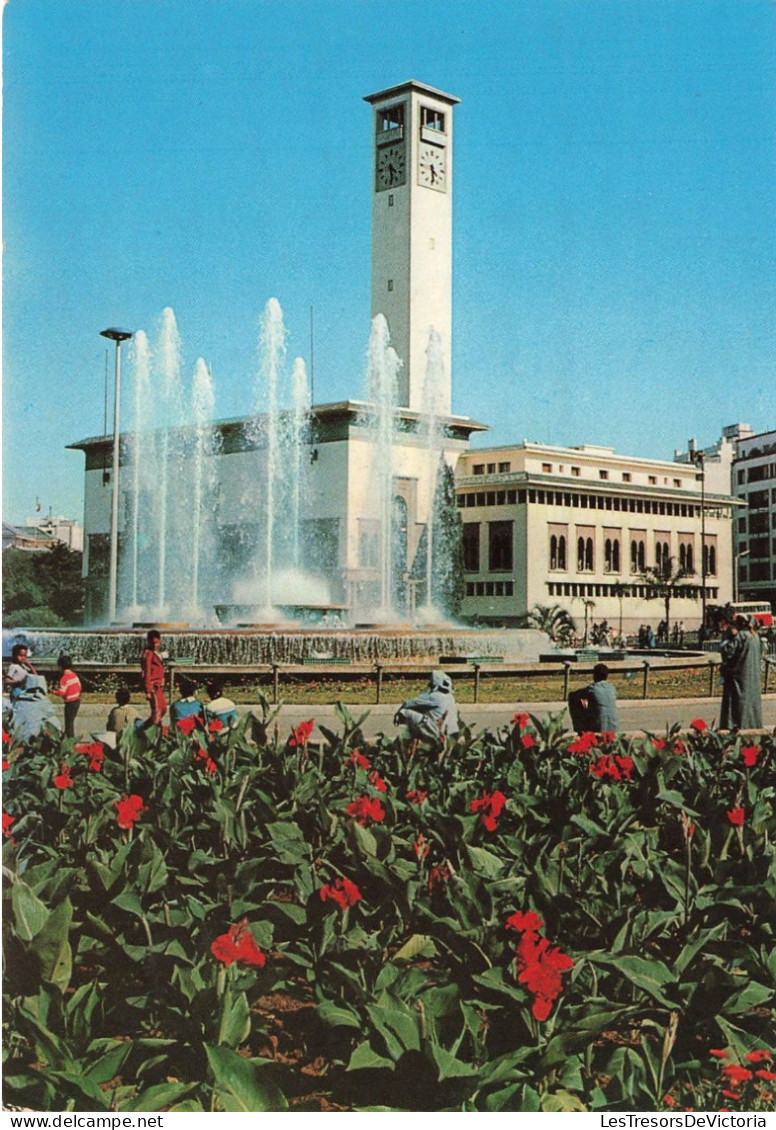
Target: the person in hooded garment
pixel 32 709
pixel 433 715
pixel 741 651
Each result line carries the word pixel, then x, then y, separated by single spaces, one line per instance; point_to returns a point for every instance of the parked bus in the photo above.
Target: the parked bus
pixel 760 610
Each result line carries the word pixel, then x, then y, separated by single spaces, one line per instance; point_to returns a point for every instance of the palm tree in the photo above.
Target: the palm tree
pixel 620 591
pixel 555 621
pixel 662 581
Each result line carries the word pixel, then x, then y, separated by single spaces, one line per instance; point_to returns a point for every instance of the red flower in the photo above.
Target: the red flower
pixel 238 945
pixel 736 816
pixel 128 810
pixel 187 724
pixel 490 807
pixel 658 743
pixel 215 726
pixel 768 1075
pixel 528 741
pixel 342 891
pixel 669 1100
pixel 436 875
pixel 718 1053
pixel 7 822
pixel 525 921
pixel 95 753
pixel 750 753
pixel 210 765
pixel 421 847
pixel 63 780
pixel 698 725
pixel 6 764
pixel 540 968
pixel 417 796
pixel 6 738
pixel 736 1074
pixel 584 743
pixel 376 781
pixel 360 761
pixel 301 735
pixel 680 747
pixel 365 809
pixel 760 1055
pixel 614 767
pixel 521 720
pixel 608 736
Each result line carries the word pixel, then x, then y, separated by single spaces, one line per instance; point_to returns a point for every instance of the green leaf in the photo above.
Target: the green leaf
pixel 239 1086
pixel 52 948
pixel 645 973
pixel 129 901
pixel 29 913
pixel 562 1101
pixel 160 1096
pixel 336 1016
pixel 485 862
pixel 235 1019
pixel 419 945
pixel 449 1066
pixel 365 1058
pixel 108 1064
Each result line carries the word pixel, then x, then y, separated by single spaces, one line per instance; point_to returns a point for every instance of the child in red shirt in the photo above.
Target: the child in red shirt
pixel 70 690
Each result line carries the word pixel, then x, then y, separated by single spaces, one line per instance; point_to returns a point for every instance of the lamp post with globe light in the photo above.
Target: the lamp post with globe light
pixel 118 336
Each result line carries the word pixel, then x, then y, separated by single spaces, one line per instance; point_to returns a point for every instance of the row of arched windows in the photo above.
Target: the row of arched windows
pixel 638 556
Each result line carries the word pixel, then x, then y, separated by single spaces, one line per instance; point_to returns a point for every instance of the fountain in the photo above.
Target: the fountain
pixel 225 555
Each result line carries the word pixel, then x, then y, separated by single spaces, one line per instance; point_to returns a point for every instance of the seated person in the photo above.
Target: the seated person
pixel 220 709
pixel 32 710
pixel 18 670
pixel 187 706
pixel 433 715
pixel 594 707
pixel 122 714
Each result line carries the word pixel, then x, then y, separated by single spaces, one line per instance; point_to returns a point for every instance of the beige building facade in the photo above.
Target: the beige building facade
pixel 569 525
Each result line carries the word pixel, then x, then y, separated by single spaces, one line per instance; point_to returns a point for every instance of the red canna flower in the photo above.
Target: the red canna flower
pixel 128 810
pixel 528 741
pixel 7 822
pixel 360 761
pixel 341 891
pixel 759 1055
pixel 736 1074
pixel 540 968
pixel 301 735
pixel 608 736
pixel 525 921
pixel 417 796
pixel 438 875
pixel 215 725
pixel 376 781
pixel 750 753
pixel 95 753
pixel 521 720
pixel 6 738
pixel 731 1095
pixel 698 725
pixel 718 1053
pixel 421 847
pixel 238 945
pixel 366 809
pixel 6 764
pixel 768 1075
pixel 584 743
pixel 490 807
pixel 658 743
pixel 63 780
pixel 736 816
pixel 209 765
pixel 189 723
pixel 669 1100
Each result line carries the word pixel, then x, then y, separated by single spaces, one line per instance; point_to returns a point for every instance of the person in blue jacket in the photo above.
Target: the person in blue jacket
pixel 433 715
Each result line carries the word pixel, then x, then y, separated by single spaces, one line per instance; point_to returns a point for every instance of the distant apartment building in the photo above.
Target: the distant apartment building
pixel 65 530
pixel 574 525
pixel 754 541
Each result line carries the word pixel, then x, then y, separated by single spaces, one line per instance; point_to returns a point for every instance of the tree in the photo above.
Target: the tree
pixel 662 582
pixel 554 621
pixel 43 588
pixel 620 591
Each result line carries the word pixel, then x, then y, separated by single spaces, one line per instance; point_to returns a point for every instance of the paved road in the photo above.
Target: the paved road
pixel 654 715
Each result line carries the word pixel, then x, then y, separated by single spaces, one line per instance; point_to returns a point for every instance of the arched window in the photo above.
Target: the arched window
pixel 580 554
pixel 608 555
pixel 642 557
pixel 682 557
pixel 561 552
pixel 665 564
pixel 689 565
pixel 553 552
pixel 634 557
pixel 589 555
pixel 616 556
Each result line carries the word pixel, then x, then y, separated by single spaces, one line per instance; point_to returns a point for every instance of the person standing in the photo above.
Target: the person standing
pixel 69 689
pixel 153 678
pixel 741 651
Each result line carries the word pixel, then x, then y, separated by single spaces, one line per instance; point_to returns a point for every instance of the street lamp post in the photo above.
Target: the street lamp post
pixel 118 336
pixel 699 459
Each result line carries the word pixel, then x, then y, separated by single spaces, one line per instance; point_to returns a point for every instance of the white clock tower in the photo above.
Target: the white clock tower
pixel 412 214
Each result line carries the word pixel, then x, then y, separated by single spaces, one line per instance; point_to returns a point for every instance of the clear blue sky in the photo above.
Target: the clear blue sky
pixel 615 195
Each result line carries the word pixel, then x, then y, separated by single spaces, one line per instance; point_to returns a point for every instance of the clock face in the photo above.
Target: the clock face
pixel 432 167
pixel 391 167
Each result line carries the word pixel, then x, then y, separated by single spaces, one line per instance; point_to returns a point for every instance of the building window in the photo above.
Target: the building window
pixel 368 544
pixel 637 556
pixel 471 547
pixel 686 557
pixel 499 546
pixel 662 559
pixel 603 474
pixel 558 551
pixel 612 555
pixel 710 561
pixel 576 472
pixel 504 468
pixel 584 555
pixel 392 117
pixel 390 285
pixel 491 468
pixel 479 469
pixel 652 479
pixel 432 119
pixel 547 468
pixel 626 476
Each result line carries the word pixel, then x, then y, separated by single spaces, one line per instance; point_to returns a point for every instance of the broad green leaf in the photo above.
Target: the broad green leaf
pixel 29 913
pixel 235 1019
pixel 365 1058
pixel 648 974
pixel 161 1096
pixel 51 946
pixel 129 901
pixel 449 1066
pixel 336 1016
pixel 485 862
pixel 239 1086
pixel 419 945
pixel 109 1064
pixel 562 1101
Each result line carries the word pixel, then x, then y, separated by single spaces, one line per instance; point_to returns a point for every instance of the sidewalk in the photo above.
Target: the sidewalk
pixel 635 715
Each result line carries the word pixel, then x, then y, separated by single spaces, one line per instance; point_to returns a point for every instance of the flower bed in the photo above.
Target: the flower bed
pixel 529 921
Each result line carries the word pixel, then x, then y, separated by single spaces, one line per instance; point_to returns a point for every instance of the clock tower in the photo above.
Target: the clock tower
pixel 412 214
